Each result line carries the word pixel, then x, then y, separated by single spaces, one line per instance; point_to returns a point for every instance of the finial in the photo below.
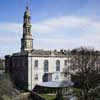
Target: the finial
pixel 27 3
pixel 27 8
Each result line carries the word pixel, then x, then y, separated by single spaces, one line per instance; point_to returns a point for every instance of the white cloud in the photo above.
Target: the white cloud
pixel 10 27
pixel 88 28
pixel 55 24
pixel 51 30
pixel 52 25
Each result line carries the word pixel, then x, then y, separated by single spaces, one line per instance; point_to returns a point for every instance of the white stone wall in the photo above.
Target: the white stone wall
pixel 40 71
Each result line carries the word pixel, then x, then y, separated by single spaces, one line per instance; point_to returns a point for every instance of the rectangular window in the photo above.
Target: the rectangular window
pixel 49 77
pixel 46 66
pixel 57 68
pixel 36 64
pixel 36 76
pixel 57 77
pixel 29 30
pixel 65 63
pixel 57 65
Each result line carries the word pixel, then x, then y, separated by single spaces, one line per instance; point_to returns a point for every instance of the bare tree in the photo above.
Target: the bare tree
pixel 84 70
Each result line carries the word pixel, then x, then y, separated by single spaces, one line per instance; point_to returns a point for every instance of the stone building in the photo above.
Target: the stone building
pixel 31 66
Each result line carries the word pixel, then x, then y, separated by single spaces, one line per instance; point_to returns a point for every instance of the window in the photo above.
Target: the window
pixel 57 65
pixel 29 19
pixel 65 63
pixel 46 66
pixel 36 76
pixel 98 68
pixel 49 77
pixel 36 64
pixel 57 77
pixel 29 30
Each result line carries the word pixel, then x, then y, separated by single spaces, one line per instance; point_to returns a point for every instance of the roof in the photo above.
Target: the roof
pixel 56 84
pixel 41 52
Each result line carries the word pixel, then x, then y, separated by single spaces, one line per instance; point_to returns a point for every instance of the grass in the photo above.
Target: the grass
pixel 48 97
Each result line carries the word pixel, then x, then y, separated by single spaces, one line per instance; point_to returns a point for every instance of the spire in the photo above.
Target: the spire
pixel 27 10
pixel 27 22
pixel 27 41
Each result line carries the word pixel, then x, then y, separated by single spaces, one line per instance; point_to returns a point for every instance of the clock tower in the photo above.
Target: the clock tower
pixel 27 41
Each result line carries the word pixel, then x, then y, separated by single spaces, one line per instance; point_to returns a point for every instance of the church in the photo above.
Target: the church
pixel 31 66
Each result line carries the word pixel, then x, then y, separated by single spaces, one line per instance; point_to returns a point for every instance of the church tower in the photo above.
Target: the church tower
pixel 27 41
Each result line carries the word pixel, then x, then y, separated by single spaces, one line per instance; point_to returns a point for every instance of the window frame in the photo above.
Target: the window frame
pixel 46 66
pixel 36 64
pixel 58 65
pixel 36 76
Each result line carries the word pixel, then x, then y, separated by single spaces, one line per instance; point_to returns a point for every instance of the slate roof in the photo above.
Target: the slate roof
pixel 56 84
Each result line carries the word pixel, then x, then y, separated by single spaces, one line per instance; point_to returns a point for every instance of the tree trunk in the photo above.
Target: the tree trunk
pixel 85 95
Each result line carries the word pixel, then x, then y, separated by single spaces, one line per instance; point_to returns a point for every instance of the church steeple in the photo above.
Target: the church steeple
pixel 27 41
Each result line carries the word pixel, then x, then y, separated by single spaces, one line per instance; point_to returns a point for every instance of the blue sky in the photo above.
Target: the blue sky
pixel 56 24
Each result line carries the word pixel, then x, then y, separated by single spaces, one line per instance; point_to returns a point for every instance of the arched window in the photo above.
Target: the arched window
pixel 57 65
pixel 46 66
